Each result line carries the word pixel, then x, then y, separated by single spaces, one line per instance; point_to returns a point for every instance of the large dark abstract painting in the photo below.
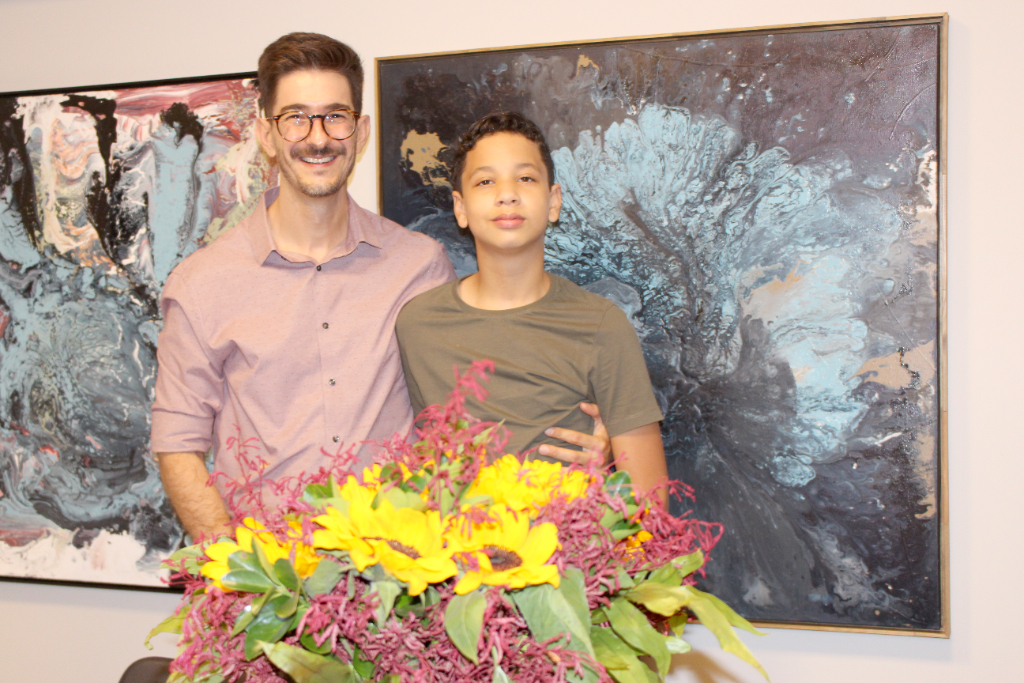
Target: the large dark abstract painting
pixel 102 192
pixel 765 205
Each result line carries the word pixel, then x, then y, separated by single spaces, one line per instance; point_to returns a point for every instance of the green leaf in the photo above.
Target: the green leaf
pixel 259 601
pixel 245 618
pixel 610 518
pixel 171 624
pixel 688 564
pixel 500 676
pixel 464 622
pixel 401 499
pixel 309 642
pixel 620 484
pixel 624 529
pixel 308 667
pixel 324 578
pixel 733 618
pixel 285 605
pixel 620 659
pixel 717 622
pixel 632 626
pixel 286 575
pixel 247 581
pixel 386 591
pixel 190 554
pixel 267 567
pixel 363 667
pixel 242 560
pixel 573 587
pixel 625 580
pixel 267 627
pixel 666 575
pixel 677 622
pixel 549 614
pixel 659 598
pixel 677 646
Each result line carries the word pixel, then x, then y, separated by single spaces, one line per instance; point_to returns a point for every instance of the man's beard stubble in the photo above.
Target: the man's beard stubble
pixel 326 188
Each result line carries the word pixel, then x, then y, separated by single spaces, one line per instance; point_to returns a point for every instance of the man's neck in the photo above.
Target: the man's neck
pixel 309 226
pixel 504 282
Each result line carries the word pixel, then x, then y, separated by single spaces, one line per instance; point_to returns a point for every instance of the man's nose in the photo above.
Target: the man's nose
pixel 317 133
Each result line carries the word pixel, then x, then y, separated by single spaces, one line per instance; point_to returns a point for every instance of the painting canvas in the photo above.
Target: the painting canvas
pixel 765 205
pixel 103 190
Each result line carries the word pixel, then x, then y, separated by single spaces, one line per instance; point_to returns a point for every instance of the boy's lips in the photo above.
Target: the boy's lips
pixel 509 220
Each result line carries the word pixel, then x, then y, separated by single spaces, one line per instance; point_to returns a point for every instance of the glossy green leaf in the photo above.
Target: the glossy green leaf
pixel 464 621
pixel 309 642
pixel 190 555
pixel 688 564
pixel 632 626
pixel 265 563
pixel 245 618
pixel 267 627
pixel 624 529
pixel 259 601
pixel 308 667
pixel 242 560
pixel 248 581
pixel 286 575
pixel 324 578
pixel 549 614
pixel 387 592
pixel 171 624
pixel 718 623
pixel 620 484
pixel 659 598
pixel 287 606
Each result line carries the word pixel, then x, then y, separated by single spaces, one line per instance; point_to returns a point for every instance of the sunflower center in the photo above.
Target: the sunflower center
pixel 404 549
pixel 502 559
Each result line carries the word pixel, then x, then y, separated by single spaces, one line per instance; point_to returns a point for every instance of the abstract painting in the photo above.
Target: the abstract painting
pixel 103 190
pixel 765 205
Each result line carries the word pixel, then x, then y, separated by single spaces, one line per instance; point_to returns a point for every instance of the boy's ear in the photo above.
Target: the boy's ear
pixel 555 205
pixel 459 207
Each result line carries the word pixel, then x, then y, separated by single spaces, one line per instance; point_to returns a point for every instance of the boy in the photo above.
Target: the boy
pixel 553 343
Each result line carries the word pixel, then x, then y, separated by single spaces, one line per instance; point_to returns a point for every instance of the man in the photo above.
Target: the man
pixel 279 337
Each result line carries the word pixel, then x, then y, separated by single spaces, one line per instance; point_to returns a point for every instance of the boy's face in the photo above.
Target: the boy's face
pixel 506 199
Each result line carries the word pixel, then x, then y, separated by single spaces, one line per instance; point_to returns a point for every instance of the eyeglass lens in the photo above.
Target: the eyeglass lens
pixel 295 126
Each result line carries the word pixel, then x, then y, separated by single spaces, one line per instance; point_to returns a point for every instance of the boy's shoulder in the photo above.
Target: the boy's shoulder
pixel 440 298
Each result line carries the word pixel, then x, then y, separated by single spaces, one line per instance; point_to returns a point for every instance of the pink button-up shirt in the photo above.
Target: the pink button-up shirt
pixel 291 355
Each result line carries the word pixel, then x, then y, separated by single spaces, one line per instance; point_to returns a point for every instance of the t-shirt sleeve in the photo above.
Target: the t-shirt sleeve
pixel 619 378
pixel 407 330
pixel 190 381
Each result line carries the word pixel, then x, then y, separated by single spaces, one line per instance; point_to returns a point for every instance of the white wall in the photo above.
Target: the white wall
pixel 86 635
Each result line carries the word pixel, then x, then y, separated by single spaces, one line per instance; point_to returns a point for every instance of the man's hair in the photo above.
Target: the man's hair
pixel 307 51
pixel 499 122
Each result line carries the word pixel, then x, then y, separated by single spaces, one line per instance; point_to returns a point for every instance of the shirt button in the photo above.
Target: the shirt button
pixel 318 267
pixel 335 438
pixel 331 382
pixel 326 326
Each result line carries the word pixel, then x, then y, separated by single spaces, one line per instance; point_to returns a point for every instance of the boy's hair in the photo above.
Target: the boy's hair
pixel 307 51
pixel 499 122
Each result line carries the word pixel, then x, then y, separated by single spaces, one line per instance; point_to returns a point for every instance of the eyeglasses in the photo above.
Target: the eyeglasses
pixel 294 126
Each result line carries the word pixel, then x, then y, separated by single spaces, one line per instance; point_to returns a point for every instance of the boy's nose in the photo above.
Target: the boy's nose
pixel 507 194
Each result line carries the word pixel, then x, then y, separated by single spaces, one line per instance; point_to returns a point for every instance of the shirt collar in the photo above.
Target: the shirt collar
pixel 360 229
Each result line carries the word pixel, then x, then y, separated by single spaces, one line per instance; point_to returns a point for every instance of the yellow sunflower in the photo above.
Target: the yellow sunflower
pixel 528 485
pixel 509 551
pixel 302 556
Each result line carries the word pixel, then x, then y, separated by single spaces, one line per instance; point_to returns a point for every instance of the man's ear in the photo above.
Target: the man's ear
pixel 555 204
pixel 362 133
pixel 459 207
pixel 264 135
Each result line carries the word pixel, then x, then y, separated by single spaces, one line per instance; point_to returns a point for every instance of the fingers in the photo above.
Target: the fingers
pixel 585 441
pixel 592 410
pixel 569 455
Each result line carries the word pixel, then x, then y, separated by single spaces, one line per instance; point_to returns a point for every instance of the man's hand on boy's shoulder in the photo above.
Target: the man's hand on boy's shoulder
pixel 596 447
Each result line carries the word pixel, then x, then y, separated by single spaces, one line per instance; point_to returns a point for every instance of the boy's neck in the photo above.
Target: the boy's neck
pixel 505 282
pixel 308 226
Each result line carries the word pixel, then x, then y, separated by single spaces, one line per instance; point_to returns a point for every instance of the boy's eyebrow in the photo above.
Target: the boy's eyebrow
pixel 490 169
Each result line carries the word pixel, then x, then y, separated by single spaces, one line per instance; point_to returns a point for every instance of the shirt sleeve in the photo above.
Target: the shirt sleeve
pixel 619 379
pixel 190 382
pixel 437 272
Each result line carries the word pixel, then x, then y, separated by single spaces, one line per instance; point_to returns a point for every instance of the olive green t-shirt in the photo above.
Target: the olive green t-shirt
pixel 569 346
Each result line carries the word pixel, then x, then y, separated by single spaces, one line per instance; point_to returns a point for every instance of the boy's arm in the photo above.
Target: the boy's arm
pixel 641 453
pixel 596 447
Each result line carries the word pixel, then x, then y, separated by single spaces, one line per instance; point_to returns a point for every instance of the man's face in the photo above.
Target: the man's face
pixel 318 166
pixel 506 199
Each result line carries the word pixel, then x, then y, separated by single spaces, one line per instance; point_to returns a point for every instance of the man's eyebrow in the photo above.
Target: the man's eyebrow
pixel 307 107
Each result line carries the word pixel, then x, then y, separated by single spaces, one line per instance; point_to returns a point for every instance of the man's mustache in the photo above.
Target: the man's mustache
pixel 324 150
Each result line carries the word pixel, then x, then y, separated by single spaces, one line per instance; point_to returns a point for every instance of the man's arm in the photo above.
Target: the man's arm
pixel 596 447
pixel 198 504
pixel 643 457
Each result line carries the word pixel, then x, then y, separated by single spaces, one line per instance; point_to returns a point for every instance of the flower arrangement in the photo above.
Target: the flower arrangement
pixel 439 564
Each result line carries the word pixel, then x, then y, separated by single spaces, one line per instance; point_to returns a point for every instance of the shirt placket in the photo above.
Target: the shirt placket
pixel 327 328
